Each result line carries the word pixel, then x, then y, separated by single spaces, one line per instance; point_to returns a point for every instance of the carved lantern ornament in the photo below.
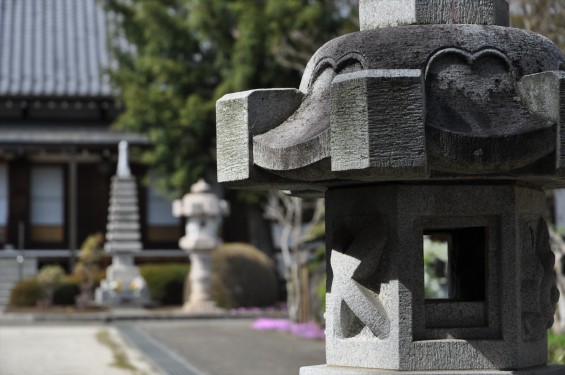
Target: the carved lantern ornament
pixel 435 119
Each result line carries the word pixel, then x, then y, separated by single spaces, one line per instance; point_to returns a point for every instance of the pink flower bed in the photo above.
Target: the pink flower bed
pixel 308 330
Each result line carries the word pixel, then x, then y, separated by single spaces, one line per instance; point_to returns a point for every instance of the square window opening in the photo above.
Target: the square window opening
pixel 455 264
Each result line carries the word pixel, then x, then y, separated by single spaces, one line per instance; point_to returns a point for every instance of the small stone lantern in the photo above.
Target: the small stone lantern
pixel 203 211
pixel 434 120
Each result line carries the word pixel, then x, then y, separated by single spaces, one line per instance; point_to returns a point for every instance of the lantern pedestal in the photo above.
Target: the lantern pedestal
pixel 203 211
pixel 200 281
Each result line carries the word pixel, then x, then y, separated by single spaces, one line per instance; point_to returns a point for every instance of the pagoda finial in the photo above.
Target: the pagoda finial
pixel 123 164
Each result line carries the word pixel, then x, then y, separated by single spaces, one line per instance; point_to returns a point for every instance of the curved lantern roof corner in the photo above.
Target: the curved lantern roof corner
pixel 426 100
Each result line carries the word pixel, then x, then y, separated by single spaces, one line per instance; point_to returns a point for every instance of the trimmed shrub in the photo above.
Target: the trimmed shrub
pixel 165 281
pixel 49 278
pixel 66 292
pixel 25 293
pixel 30 293
pixel 87 269
pixel 243 277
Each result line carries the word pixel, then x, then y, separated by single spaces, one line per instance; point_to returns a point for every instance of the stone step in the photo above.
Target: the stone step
pixel 15 266
pixel 14 276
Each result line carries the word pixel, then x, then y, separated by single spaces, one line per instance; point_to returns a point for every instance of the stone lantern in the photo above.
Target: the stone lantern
pixel 436 119
pixel 203 211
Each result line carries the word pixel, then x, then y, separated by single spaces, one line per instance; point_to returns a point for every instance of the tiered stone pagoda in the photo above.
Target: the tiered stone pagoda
pixel 123 284
pixel 435 119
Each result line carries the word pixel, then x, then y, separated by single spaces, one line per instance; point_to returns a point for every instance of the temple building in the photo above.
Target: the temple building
pixel 57 151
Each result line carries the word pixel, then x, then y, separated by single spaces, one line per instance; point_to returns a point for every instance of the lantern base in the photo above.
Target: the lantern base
pixel 335 370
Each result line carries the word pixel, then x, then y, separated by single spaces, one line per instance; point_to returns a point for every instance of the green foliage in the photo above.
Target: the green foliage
pixel 29 293
pixel 556 346
pixel 165 281
pixel 87 269
pixel 66 292
pixel 50 275
pixel 435 263
pixel 183 55
pixel 25 293
pixel 49 278
pixel 243 277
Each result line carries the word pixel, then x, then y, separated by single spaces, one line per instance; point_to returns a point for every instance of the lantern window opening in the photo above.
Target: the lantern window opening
pixel 455 267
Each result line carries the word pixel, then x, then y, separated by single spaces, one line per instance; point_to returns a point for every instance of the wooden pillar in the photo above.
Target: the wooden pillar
pixel 18 202
pixel 72 207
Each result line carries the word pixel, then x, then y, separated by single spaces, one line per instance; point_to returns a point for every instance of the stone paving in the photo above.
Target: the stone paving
pixel 199 346
pixel 230 347
pixel 64 350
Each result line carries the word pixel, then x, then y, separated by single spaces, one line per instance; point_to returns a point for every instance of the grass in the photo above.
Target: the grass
pixel 120 358
pixel 556 345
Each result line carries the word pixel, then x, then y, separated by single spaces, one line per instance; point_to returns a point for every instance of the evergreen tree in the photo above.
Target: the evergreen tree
pixel 175 58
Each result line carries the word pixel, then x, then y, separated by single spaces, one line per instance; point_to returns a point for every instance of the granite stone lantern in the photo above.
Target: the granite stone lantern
pixel 204 212
pixel 123 285
pixel 436 119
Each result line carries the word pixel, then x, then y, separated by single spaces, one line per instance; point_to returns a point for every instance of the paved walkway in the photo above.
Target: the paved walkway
pixel 231 347
pixel 68 350
pixel 188 347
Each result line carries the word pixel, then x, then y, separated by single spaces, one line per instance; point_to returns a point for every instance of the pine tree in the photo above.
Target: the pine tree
pixel 175 58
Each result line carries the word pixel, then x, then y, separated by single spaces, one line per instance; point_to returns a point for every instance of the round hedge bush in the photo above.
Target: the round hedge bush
pixel 165 281
pixel 243 276
pixel 25 293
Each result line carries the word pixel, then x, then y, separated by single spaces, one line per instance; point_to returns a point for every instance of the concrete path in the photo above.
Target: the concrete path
pixel 68 350
pixel 231 347
pixel 152 347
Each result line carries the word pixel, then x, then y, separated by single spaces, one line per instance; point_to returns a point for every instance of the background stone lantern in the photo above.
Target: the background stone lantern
pixel 203 211
pixel 436 119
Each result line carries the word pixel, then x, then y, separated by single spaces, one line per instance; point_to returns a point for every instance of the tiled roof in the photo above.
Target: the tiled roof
pixel 72 134
pixel 53 48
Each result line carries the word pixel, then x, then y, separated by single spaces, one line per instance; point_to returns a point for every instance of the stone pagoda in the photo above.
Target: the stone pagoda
pixel 204 212
pixel 436 119
pixel 123 284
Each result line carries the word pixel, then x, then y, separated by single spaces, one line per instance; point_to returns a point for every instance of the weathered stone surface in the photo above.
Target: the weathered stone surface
pixel 334 370
pixel 513 141
pixel 476 122
pixel 377 316
pixel 545 95
pixel 432 128
pixel 243 115
pixel 385 13
pixel 377 124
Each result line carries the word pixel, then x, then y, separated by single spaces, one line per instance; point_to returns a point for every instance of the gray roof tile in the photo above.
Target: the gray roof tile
pixel 53 48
